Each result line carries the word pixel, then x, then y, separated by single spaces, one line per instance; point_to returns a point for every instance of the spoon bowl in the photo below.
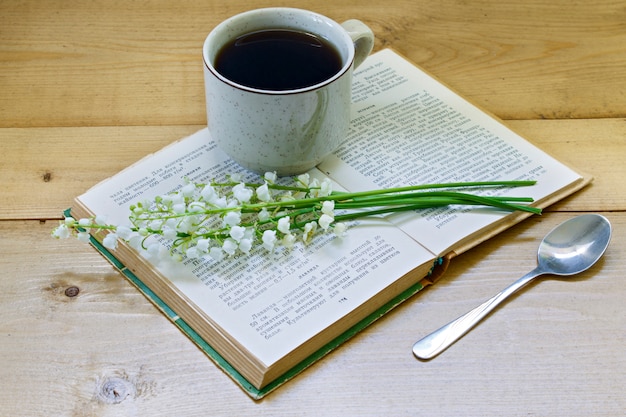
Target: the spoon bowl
pixel 575 245
pixel 570 248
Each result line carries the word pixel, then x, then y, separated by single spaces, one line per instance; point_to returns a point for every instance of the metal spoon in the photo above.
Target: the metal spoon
pixel 570 248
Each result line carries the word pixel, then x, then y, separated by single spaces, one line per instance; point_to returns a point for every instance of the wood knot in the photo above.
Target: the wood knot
pixel 47 176
pixel 72 291
pixel 114 389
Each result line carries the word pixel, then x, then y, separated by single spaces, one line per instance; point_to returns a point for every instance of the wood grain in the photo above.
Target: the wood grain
pixel 56 164
pixel 115 63
pixel 87 88
pixel 50 166
pixel 108 352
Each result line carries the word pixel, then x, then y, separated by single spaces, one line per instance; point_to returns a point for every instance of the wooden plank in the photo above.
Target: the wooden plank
pixel 48 167
pixel 554 349
pixel 596 147
pixel 105 63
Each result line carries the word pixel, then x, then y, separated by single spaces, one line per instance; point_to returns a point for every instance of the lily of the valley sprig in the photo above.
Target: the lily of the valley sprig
pixel 221 219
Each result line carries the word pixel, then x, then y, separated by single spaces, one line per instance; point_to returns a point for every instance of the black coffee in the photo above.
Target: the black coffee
pixel 278 60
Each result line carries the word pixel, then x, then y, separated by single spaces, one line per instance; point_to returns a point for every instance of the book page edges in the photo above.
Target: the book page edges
pixel 244 368
pixel 377 305
pixel 512 219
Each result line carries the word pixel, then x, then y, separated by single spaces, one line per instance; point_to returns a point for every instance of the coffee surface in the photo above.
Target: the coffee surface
pixel 278 60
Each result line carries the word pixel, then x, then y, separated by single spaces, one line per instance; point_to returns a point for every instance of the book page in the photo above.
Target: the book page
pixel 270 303
pixel 409 129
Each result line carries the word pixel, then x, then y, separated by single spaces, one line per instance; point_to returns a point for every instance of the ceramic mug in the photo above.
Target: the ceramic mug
pixel 283 131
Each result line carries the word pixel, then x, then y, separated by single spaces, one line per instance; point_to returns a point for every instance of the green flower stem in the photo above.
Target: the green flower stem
pixel 478 184
pixel 389 192
pixel 431 203
pixel 440 198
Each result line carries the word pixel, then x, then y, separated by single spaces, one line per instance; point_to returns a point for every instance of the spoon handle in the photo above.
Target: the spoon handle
pixel 439 340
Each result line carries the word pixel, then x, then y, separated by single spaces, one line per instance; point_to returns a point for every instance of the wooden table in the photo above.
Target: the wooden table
pixel 88 87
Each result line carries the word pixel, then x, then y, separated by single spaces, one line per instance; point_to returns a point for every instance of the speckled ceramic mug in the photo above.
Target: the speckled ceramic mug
pixel 287 131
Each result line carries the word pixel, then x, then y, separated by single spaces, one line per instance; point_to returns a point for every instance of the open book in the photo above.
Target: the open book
pixel 265 317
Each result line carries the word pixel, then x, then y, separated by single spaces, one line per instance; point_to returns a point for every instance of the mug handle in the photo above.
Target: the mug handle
pixel 363 39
